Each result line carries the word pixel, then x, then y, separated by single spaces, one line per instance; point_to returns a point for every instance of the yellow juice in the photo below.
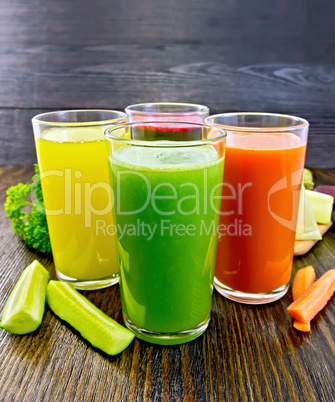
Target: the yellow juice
pixel 76 193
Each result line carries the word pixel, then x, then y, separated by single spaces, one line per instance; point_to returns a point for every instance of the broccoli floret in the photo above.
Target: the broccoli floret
pixel 31 226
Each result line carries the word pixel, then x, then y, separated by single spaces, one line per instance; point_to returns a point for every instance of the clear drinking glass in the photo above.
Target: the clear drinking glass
pixel 167 111
pixel 265 157
pixel 167 205
pixel 72 158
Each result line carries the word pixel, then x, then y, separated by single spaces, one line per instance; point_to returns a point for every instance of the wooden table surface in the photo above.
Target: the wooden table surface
pixel 247 353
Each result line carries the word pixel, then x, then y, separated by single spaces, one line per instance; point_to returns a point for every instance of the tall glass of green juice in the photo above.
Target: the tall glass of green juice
pixel 167 196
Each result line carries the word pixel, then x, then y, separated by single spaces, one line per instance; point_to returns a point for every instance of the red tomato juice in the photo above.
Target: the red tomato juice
pixel 263 173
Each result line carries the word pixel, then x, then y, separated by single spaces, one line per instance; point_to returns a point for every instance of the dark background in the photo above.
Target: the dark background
pixel 231 55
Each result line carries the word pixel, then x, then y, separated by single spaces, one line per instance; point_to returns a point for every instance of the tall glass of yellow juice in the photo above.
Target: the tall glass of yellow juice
pixel 71 154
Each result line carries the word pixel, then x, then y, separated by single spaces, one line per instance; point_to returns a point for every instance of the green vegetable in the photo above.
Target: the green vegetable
pixel 322 206
pixel 307 228
pixel 24 308
pixel 31 226
pixel 95 326
pixel 308 179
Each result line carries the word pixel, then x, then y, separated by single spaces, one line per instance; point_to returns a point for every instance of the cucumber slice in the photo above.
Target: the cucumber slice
pixel 24 308
pixel 94 325
pixel 322 206
pixel 307 228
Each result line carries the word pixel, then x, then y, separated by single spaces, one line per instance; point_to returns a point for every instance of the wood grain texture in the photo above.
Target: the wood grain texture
pixel 248 353
pixel 229 55
pixel 302 247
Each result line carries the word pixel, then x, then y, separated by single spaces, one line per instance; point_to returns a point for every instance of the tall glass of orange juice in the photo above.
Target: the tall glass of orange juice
pixel 265 156
pixel 72 158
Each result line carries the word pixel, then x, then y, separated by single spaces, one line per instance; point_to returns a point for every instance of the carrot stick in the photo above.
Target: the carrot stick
pixel 302 326
pixel 302 281
pixel 306 307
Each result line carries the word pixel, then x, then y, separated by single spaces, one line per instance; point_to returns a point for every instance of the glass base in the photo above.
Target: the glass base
pixel 250 298
pixel 89 284
pixel 167 338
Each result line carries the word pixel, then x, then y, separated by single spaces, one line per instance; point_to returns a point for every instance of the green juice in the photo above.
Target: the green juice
pixel 166 210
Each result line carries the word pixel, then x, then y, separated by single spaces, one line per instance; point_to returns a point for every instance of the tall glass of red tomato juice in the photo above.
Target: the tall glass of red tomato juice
pixel 167 111
pixel 265 156
pixel 167 197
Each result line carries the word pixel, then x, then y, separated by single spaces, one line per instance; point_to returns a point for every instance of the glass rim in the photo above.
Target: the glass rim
pixel 163 143
pixel 303 122
pixel 39 118
pixel 200 108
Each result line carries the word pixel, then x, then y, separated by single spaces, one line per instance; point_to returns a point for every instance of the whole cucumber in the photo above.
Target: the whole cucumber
pixel 94 325
pixel 23 311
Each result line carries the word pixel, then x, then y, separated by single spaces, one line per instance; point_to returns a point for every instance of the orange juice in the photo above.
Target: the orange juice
pixel 263 173
pixel 75 187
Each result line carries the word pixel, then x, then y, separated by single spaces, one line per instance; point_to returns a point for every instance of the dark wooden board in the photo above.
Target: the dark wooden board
pixel 247 353
pixel 232 56
pixel 282 28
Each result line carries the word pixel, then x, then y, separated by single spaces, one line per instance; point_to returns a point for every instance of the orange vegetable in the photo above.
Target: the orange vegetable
pixel 302 281
pixel 302 326
pixel 306 307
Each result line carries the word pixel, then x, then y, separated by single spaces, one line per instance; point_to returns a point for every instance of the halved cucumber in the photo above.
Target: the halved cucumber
pixel 24 308
pixel 94 325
